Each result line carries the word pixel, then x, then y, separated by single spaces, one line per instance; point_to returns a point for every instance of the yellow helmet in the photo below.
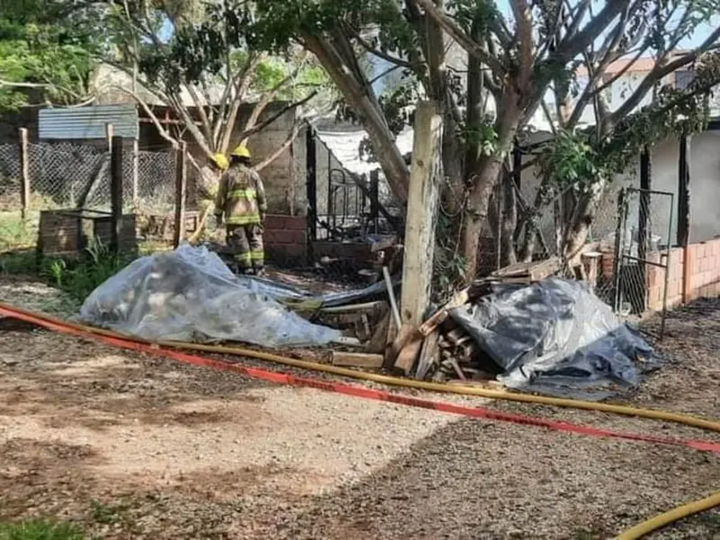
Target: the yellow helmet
pixel 241 152
pixel 220 161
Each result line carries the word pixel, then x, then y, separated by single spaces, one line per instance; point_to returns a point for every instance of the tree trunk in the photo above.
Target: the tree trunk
pixel 576 234
pixel 509 221
pixel 477 212
pixel 484 178
pixel 356 94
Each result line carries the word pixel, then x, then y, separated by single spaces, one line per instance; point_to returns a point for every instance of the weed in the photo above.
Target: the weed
pixel 107 514
pixel 40 529
pixel 23 262
pixel 79 278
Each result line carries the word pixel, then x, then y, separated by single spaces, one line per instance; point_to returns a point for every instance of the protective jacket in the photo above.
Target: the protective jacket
pixel 241 196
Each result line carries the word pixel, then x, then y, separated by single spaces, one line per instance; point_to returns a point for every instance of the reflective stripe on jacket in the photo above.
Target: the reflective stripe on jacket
pixel 241 196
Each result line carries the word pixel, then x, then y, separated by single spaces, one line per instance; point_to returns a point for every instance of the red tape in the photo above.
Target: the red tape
pixel 360 391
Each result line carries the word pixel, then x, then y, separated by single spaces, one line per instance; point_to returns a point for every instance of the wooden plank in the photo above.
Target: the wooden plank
pixel 352 359
pixel 429 354
pixel 423 196
pixel 441 315
pixel 180 194
pixel 403 337
pixel 408 355
pixel 355 308
pixel 534 270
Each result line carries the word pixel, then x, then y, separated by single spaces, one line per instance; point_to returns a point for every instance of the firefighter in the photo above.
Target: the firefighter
pixel 241 200
pixel 207 190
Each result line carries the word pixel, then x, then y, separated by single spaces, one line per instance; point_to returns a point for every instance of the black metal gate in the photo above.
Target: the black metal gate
pixel 642 253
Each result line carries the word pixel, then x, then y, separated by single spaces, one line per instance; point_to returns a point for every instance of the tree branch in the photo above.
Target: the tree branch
pixel 259 127
pixel 659 72
pixel 576 42
pixel 285 145
pixel 460 36
pixel 376 52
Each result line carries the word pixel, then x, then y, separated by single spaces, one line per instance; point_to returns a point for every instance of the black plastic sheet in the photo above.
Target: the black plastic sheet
pixel 556 337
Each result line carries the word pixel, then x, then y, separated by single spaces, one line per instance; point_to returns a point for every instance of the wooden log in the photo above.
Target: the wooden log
pixel 353 359
pixel 455 335
pixel 456 368
pixel 429 354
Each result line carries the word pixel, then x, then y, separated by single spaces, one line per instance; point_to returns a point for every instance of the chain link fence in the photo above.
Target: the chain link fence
pixel 73 176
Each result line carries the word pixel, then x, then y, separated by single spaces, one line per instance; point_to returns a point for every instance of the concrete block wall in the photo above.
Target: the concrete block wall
pixel 285 240
pixel 700 278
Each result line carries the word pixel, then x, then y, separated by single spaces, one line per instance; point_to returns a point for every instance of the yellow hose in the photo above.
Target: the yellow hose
pixel 676 514
pixel 488 393
pixel 638 531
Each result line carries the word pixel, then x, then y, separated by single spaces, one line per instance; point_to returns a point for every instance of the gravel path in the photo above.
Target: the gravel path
pixel 135 447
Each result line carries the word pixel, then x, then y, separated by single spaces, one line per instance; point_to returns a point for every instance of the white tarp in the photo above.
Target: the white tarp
pixel 190 295
pixel 345 146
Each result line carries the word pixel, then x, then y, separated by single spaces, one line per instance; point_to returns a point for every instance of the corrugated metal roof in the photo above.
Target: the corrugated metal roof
pixel 88 122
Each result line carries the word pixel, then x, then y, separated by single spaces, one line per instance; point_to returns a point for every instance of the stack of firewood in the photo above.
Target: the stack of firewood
pixel 439 350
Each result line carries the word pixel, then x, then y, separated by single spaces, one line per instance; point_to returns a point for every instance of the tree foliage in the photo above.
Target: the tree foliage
pixel 46 53
pixel 519 64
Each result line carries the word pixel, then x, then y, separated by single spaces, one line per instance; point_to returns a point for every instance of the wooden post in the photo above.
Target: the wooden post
pixel 180 192
pixel 644 229
pixel 683 223
pixel 375 198
pixel 423 197
pixel 135 160
pixel 109 134
pixel 421 214
pixel 311 172
pixel 116 192
pixel 24 173
pixel 619 246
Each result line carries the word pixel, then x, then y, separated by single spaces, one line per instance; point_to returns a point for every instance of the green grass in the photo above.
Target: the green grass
pixel 40 529
pixel 17 233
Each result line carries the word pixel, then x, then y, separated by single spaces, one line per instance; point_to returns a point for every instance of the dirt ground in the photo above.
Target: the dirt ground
pixel 131 446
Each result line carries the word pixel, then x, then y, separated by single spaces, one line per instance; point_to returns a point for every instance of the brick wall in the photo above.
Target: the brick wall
pixel 701 278
pixel 285 240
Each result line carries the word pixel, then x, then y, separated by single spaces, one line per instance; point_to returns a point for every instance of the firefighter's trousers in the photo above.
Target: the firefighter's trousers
pixel 246 243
